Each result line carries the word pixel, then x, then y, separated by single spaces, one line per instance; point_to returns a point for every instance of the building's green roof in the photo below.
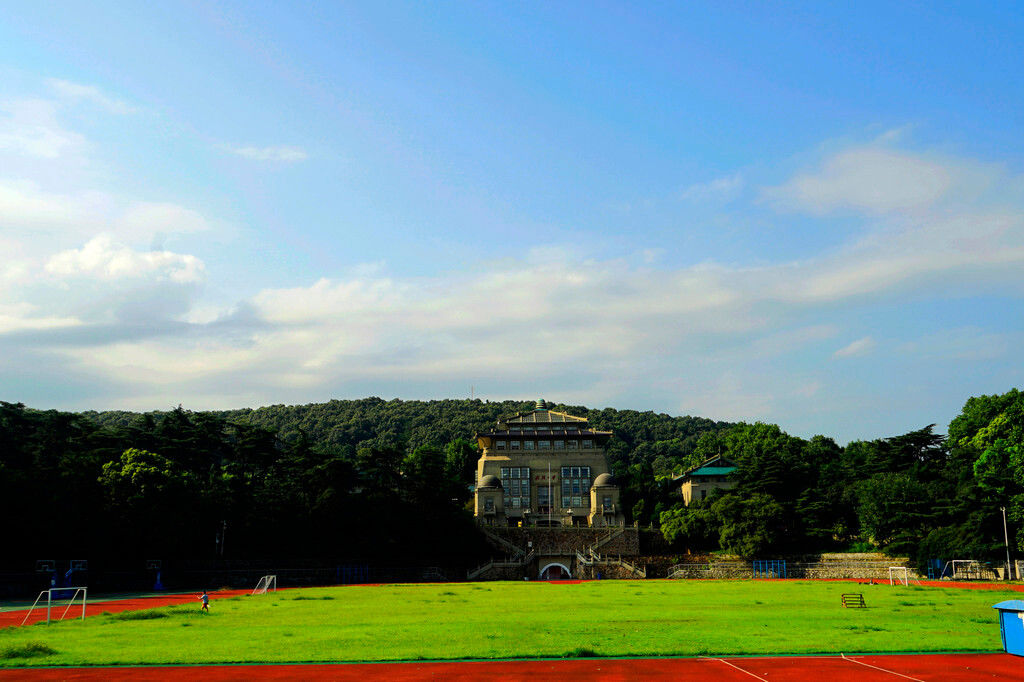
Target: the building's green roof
pixel 710 471
pixel 716 466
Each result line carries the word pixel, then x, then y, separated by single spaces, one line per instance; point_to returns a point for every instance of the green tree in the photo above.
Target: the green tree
pixel 893 511
pixel 153 499
pixel 752 526
pixel 693 528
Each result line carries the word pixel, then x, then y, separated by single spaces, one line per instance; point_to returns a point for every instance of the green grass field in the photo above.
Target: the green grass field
pixel 517 619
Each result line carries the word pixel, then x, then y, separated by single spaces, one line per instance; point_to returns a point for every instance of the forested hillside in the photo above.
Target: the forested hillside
pixel 919 494
pixel 360 479
pixel 375 480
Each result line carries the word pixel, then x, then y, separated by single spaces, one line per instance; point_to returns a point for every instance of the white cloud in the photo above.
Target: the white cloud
pixel 789 340
pixel 808 390
pixel 29 127
pixel 282 154
pixel 21 317
pixel 104 259
pixel 75 91
pixel 730 398
pixel 27 209
pixel 22 203
pixel 963 343
pixel 159 218
pixel 598 326
pixel 874 180
pixel 720 189
pixel 857 348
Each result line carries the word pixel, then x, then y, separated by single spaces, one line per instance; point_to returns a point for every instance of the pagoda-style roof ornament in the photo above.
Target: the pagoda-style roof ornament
pixel 542 420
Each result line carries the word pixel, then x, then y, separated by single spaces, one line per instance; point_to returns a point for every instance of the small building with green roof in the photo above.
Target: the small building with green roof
pixel 698 482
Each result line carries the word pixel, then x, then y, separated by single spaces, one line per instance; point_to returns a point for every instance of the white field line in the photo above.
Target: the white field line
pixel 756 677
pixel 891 672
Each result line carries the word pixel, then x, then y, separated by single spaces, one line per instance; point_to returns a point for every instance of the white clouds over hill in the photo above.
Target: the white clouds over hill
pixel 88 289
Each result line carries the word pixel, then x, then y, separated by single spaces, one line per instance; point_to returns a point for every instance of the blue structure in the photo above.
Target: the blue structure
pixel 1011 625
pixel 353 574
pixel 771 568
pixel 935 567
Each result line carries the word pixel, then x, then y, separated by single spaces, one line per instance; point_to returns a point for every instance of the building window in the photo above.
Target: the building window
pixel 516 483
pixel 528 445
pixel 543 445
pixel 607 502
pixel 543 499
pixel 575 482
pixel 515 444
pixel 703 494
pixel 500 445
pixel 488 504
pixel 587 444
pixel 572 444
pixel 559 445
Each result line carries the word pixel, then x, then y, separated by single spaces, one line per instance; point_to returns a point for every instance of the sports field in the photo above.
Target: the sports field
pixel 505 620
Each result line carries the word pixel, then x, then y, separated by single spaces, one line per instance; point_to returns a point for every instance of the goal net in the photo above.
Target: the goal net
pixel 898 575
pixel 963 569
pixel 54 595
pixel 267 582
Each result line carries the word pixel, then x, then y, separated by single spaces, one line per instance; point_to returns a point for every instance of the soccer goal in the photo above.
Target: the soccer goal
pixel 962 569
pixel 898 575
pixel 50 595
pixel 267 582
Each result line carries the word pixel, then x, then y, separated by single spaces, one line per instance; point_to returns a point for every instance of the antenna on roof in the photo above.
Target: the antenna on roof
pixel 472 391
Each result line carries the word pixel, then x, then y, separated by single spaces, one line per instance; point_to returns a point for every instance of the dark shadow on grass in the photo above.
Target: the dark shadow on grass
pixel 28 650
pixel 139 615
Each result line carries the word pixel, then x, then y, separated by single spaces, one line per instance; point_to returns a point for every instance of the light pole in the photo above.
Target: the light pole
pixel 1006 542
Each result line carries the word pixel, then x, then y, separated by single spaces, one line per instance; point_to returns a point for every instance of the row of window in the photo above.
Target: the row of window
pixel 543 444
pixel 568 502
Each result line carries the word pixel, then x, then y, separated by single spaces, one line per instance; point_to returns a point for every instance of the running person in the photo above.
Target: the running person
pixel 206 601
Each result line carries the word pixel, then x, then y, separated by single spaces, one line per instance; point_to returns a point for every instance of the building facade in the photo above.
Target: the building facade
pixel 545 468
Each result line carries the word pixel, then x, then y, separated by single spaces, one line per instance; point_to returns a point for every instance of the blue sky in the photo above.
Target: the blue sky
pixel 802 214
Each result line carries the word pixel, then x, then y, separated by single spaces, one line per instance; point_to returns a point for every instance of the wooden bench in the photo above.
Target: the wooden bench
pixel 854 600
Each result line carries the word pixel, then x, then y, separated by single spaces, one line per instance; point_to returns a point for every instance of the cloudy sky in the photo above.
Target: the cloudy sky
pixel 800 215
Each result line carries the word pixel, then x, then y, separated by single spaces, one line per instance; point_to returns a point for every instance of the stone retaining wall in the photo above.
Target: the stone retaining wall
pixel 863 570
pixel 570 540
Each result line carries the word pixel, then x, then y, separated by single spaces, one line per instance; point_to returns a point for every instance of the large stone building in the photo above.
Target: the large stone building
pixel 545 468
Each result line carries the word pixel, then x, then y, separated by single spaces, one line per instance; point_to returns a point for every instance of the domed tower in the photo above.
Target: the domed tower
pixel 545 468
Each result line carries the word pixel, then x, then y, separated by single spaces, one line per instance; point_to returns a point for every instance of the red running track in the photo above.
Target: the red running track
pixel 861 668
pixel 14 618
